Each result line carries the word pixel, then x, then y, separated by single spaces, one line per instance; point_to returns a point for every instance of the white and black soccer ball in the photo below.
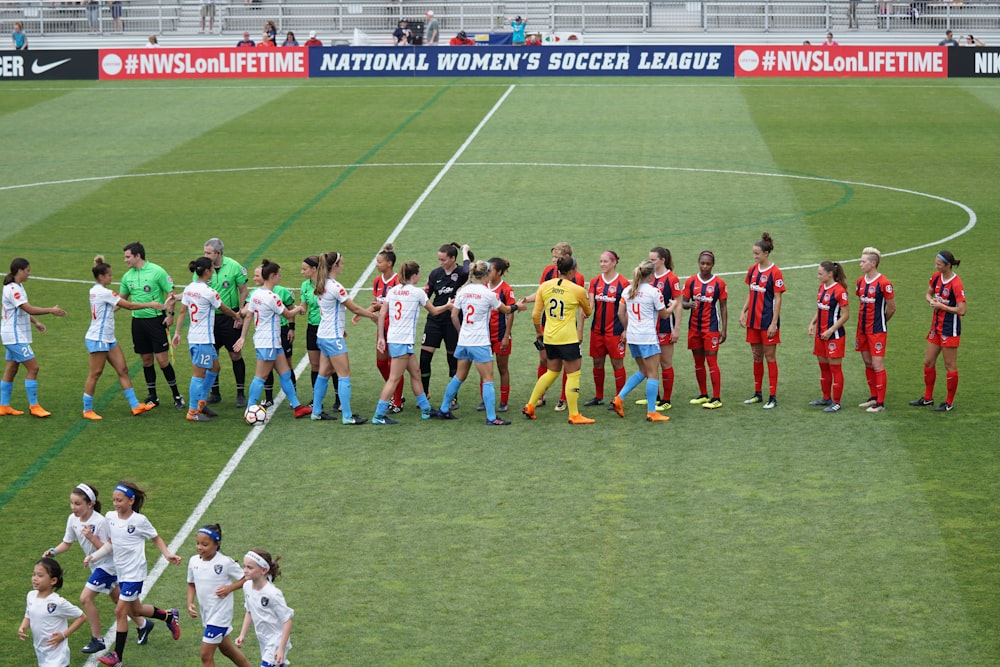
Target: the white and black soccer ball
pixel 255 415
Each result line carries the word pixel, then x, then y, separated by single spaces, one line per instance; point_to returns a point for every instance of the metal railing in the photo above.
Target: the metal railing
pixel 595 16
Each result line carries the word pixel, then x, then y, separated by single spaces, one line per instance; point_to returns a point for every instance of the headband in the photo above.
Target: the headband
pixel 211 533
pixel 706 252
pixel 257 558
pixel 127 491
pixel 943 258
pixel 613 254
pixel 311 262
pixel 87 491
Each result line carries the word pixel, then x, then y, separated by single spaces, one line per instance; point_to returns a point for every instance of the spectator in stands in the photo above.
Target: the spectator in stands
pixel 208 10
pixel 830 41
pixel 534 39
pixel 461 39
pixel 152 42
pixel 94 15
pixel 116 16
pixel 517 27
pixel 246 42
pixel 18 38
pixel 432 31
pixel 949 39
pixel 313 40
pixel 271 30
pixel 969 40
pixel 266 42
pixel 402 34
pixel 290 39
pixel 852 14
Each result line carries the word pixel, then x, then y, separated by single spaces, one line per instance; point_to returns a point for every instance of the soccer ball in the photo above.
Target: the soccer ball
pixel 255 415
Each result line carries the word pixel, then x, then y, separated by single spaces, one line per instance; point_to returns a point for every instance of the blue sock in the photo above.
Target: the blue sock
pixel 88 402
pixel 31 387
pixel 133 402
pixel 381 408
pixel 652 385
pixel 194 392
pixel 6 389
pixel 344 391
pixel 632 382
pixel 206 385
pixel 286 386
pixel 489 400
pixel 319 393
pixel 256 389
pixel 450 392
pixel 423 403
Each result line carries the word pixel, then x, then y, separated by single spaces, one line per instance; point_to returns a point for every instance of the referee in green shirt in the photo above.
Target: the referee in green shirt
pixel 230 281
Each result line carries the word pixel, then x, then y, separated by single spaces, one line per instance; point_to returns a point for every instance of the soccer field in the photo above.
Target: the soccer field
pixel 730 536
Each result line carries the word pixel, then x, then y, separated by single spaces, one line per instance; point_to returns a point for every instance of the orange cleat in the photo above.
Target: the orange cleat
pixel 39 411
pixel 580 419
pixel 656 417
pixel 6 410
pixel 616 403
pixel 142 407
pixel 529 411
pixel 90 414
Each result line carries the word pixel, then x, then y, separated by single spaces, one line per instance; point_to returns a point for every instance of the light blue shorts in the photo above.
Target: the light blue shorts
pixel 129 590
pixel 203 355
pixel 268 353
pixel 19 353
pixel 331 347
pixel 479 354
pixel 644 351
pixel 100 346
pixel 397 350
pixel 101 582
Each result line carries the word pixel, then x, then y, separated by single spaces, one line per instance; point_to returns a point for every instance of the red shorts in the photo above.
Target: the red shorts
pixel 830 349
pixel 502 351
pixel 873 343
pixel 610 345
pixel 704 340
pixel 755 336
pixel 664 338
pixel 942 341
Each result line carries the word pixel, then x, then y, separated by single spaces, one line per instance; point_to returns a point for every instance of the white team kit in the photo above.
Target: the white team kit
pixel 474 303
pixel 47 616
pixel 15 324
pixel 128 539
pixel 102 314
pixel 201 302
pixel 404 303
pixel 267 308
pixel 99 527
pixel 643 314
pixel 269 612
pixel 331 309
pixel 207 576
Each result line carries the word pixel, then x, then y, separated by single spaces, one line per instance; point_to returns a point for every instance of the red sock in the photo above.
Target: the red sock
pixel 700 374
pixel 836 382
pixel 772 377
pixel 880 380
pixel 952 380
pixel 620 379
pixel 599 383
pixel 667 375
pixel 504 393
pixel 562 393
pixel 825 379
pixel 870 377
pixel 383 367
pixel 758 376
pixel 541 369
pixel 715 374
pixel 930 375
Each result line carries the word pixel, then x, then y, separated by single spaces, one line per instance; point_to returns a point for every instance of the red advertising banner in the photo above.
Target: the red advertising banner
pixel 843 61
pixel 202 63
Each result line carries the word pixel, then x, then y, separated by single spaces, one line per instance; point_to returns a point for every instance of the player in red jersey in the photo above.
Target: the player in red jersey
pixel 827 330
pixel 878 304
pixel 667 330
pixel 605 295
pixel 760 316
pixel 500 328
pixel 705 296
pixel 946 296
pixel 387 278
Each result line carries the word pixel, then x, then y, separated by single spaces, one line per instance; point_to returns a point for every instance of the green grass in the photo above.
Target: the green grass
pixel 734 536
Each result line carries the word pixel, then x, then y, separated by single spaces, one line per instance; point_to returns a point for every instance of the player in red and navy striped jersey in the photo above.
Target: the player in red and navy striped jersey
pixel 827 328
pixel 668 330
pixel 760 316
pixel 946 296
pixel 878 304
pixel 605 295
pixel 705 296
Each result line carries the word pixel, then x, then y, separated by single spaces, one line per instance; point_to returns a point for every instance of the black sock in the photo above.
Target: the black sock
pixel 120 638
pixel 425 370
pixel 240 375
pixel 149 372
pixel 168 373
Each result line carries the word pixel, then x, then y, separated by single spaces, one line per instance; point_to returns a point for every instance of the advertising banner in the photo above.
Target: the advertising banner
pixel 522 61
pixel 973 61
pixel 842 61
pixel 50 65
pixel 203 63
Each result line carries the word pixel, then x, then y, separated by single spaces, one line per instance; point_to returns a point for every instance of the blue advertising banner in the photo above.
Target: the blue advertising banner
pixel 346 61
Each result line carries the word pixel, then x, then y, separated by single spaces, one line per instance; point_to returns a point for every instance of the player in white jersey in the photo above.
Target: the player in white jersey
pixel 470 314
pixel 102 345
pixel 88 527
pixel 640 311
pixel 333 300
pixel 397 332
pixel 200 303
pixel 266 309
pixel 266 608
pixel 16 318
pixel 210 576
pixel 46 613
pixel 128 531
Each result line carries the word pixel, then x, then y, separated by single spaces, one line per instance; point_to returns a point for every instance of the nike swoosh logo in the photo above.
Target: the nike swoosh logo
pixel 42 69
